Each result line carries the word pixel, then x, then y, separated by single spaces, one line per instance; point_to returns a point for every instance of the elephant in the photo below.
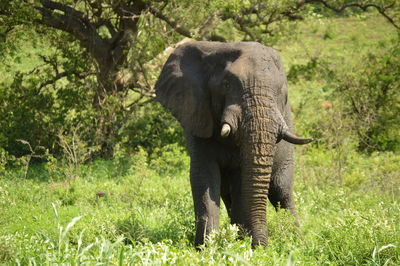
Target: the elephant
pixel 232 101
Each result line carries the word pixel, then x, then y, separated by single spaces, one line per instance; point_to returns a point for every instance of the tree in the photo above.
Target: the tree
pixel 102 60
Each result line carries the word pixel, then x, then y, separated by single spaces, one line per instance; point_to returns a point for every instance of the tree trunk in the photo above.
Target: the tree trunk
pixel 108 111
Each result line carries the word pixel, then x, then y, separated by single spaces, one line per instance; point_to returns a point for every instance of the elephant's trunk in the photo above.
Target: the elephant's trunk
pixel 259 131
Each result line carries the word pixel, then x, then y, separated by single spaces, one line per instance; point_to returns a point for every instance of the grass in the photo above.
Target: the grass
pixel 142 217
pixel 138 209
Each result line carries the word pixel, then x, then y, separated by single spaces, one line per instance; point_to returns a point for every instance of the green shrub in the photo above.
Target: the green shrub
pixel 151 127
pixel 170 160
pixel 371 96
pixel 3 159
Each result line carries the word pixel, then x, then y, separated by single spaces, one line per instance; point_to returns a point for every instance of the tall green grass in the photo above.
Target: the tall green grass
pixel 144 217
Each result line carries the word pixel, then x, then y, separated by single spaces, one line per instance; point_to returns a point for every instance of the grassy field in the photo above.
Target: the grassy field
pixel 138 209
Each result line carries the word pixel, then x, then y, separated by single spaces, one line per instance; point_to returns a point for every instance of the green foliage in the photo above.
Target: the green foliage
pixel 3 159
pixel 344 89
pixel 268 25
pixel 371 95
pixel 152 128
pixel 37 113
pixel 169 160
pixel 141 217
pixel 306 71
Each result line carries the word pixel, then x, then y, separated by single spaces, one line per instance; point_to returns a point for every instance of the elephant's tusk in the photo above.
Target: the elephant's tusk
pixel 226 130
pixel 289 137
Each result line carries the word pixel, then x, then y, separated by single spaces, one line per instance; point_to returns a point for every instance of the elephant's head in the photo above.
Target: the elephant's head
pixel 233 92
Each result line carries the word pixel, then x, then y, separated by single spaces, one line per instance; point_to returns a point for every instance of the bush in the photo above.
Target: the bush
pixel 370 95
pixel 152 128
pixel 169 160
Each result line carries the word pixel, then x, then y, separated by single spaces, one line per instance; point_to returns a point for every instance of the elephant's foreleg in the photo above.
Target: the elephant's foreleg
pixel 205 182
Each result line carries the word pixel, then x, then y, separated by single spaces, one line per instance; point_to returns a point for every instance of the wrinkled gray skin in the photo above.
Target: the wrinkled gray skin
pixel 207 85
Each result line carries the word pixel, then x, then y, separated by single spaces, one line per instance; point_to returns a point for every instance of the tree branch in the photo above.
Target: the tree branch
pixel 144 92
pixel 171 22
pixel 56 78
pixel 242 23
pixel 381 9
pixel 263 15
pixel 107 23
pixel 51 81
pixel 75 23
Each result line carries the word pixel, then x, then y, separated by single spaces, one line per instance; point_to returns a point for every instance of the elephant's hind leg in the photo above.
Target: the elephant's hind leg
pixel 280 192
pixel 230 189
pixel 226 191
pixel 284 200
pixel 229 180
pixel 226 198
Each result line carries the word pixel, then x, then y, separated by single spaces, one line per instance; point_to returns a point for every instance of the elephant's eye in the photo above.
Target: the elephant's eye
pixel 225 84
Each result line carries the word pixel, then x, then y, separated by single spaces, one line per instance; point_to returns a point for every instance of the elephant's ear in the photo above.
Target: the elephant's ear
pixel 182 88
